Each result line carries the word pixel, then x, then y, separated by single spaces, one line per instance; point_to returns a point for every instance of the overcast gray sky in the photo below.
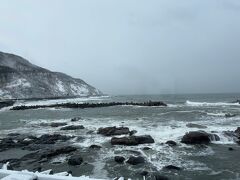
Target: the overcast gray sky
pixel 130 46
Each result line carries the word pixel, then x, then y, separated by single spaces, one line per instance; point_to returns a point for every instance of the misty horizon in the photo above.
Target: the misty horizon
pixel 156 47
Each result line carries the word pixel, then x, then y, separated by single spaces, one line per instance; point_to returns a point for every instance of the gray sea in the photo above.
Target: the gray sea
pixel 211 162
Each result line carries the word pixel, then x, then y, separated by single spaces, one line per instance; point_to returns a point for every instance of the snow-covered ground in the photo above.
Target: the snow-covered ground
pixel 26 175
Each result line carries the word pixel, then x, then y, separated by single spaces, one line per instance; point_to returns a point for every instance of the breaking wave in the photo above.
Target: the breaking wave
pixel 192 103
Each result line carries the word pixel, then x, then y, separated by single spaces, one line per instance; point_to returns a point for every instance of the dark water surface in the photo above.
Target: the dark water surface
pixel 211 162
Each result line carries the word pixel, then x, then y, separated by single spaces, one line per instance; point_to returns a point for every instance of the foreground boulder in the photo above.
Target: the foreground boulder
pixel 113 131
pixel 94 146
pixel 196 137
pixel 72 127
pixel 119 159
pixel 75 160
pixel 171 143
pixel 161 177
pixel 229 115
pixel 135 160
pixel 237 131
pixel 172 167
pixel 51 138
pixel 132 140
pixel 58 151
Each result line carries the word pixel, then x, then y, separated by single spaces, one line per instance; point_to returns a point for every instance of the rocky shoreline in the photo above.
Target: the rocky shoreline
pixel 41 150
pixel 90 105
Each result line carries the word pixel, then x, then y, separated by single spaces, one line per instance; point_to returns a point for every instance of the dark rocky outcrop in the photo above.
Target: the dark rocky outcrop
pixel 58 151
pixel 160 177
pixel 75 160
pixel 144 173
pixel 30 142
pixel 113 131
pixel 76 119
pixel 237 131
pixel 133 160
pixel 196 137
pixel 94 146
pixel 6 103
pixel 132 132
pixel 119 159
pixel 72 127
pixel 229 115
pixel 58 124
pixel 171 143
pixel 132 140
pixel 192 125
pixel 51 139
pixel 172 167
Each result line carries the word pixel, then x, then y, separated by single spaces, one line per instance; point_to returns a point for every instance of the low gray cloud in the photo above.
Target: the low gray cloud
pixel 130 47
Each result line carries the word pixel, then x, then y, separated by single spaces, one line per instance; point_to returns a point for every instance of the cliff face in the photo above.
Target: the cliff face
pixel 19 79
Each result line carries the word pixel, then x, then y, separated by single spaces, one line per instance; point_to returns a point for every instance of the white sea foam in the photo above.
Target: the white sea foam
pixel 192 103
pixel 217 114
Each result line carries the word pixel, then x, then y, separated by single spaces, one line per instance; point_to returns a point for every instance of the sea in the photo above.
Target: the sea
pixel 201 162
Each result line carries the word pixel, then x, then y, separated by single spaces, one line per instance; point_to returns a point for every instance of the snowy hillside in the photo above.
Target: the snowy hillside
pixel 19 79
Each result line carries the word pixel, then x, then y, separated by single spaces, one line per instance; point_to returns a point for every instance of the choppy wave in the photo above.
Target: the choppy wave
pixel 217 114
pixel 192 103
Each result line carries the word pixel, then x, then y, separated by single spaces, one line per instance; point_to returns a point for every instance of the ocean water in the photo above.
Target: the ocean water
pixel 213 161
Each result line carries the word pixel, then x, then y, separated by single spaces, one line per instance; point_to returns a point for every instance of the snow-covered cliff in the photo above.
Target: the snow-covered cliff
pixel 19 79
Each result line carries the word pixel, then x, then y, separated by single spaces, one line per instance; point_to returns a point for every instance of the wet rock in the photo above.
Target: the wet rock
pixel 7 143
pixel 171 143
pixel 192 125
pixel 229 115
pixel 132 132
pixel 147 148
pixel 75 160
pixel 58 151
pixel 119 159
pixel 237 131
pixel 172 167
pixel 160 177
pixel 135 160
pixel 132 140
pixel 14 134
pixel 76 119
pixel 113 131
pixel 196 137
pixel 237 101
pixel 72 127
pixel 90 132
pixel 214 137
pixel 144 173
pixel 94 146
pixel 6 103
pixel 51 139
pixel 11 163
pixel 58 124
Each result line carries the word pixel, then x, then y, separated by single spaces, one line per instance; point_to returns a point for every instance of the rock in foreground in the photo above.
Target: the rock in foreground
pixel 196 137
pixel 132 140
pixel 135 160
pixel 113 131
